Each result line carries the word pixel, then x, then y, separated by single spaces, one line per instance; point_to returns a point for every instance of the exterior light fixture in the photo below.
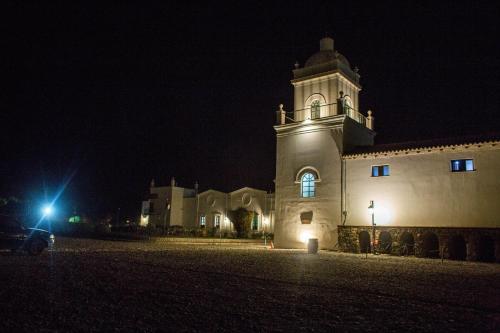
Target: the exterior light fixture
pixel 371 210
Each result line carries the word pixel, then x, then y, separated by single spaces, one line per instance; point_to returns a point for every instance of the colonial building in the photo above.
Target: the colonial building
pixel 169 206
pixel 434 197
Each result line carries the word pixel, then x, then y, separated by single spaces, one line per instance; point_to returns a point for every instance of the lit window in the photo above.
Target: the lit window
pixel 203 221
pixel 380 170
pixel 217 221
pixel 462 165
pixel 255 221
pixel 315 109
pixel 307 185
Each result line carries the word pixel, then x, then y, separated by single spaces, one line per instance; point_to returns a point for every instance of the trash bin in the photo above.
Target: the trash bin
pixel 312 246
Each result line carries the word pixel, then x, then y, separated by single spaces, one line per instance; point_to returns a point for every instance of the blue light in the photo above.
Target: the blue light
pixel 47 210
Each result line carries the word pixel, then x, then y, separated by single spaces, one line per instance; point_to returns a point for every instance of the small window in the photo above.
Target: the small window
pixel 203 221
pixel 255 221
pixel 462 165
pixel 217 221
pixel 315 109
pixel 380 170
pixel 307 185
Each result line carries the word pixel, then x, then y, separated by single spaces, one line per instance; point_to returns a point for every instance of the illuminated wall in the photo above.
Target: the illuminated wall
pixel 316 143
pixel 421 190
pixel 304 146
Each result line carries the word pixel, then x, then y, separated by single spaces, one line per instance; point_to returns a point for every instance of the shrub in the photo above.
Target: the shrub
pixel 242 221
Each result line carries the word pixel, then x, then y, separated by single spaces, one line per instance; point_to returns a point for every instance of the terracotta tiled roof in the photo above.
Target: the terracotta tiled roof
pixel 432 143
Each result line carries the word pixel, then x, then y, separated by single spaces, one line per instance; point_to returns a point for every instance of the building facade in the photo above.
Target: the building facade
pixel 438 197
pixel 208 211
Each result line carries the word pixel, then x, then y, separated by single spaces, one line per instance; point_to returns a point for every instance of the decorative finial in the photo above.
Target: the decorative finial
pixel 297 65
pixel 152 184
pixel 341 94
pixel 356 69
pixel 370 120
pixel 281 107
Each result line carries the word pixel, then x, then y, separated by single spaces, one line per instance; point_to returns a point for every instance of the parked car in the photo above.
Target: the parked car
pixel 14 236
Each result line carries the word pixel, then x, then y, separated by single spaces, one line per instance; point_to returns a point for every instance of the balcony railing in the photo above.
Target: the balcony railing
pixel 323 111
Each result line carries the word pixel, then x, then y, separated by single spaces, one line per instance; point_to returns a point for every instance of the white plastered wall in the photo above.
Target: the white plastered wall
pixel 295 151
pixel 422 191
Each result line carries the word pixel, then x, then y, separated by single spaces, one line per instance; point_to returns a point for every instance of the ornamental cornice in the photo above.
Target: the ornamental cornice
pixel 462 147
pixel 320 77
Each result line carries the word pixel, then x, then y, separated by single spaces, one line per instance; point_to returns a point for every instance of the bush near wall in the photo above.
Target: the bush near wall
pixel 242 221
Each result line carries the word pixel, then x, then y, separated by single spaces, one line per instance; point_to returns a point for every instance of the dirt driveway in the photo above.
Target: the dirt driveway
pixel 91 285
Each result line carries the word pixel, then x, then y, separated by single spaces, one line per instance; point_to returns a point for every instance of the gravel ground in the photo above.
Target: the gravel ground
pixel 91 285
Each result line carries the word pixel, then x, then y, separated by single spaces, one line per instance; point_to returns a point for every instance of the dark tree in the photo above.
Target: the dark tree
pixel 242 221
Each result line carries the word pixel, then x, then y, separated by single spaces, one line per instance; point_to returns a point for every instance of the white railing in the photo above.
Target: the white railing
pixel 325 110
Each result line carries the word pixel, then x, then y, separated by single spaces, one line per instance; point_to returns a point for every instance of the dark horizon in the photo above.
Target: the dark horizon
pixel 119 94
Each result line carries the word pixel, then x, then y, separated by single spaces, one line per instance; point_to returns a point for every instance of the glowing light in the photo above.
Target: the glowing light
pixel 383 215
pixel 144 220
pixel 47 210
pixel 304 237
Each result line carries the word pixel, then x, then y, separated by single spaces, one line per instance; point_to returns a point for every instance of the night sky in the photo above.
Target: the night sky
pixel 108 96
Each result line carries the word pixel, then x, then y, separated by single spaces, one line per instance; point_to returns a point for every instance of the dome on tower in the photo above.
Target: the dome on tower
pixel 325 62
pixel 322 57
pixel 326 54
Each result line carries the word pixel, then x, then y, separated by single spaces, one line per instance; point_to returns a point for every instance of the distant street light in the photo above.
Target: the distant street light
pixel 47 210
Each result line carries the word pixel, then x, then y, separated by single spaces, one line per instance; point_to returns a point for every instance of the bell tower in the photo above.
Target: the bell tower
pixel 310 143
pixel 325 80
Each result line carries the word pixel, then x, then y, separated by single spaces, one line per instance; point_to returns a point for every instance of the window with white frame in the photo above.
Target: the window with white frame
pixel 380 170
pixel 463 165
pixel 217 221
pixel 307 185
pixel 203 221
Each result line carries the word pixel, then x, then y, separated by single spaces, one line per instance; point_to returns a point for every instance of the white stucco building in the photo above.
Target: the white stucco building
pixel 207 211
pixel 440 196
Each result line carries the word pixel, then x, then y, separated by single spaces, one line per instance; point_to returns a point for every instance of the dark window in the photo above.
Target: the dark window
pixel 255 222
pixel 462 165
pixel 380 170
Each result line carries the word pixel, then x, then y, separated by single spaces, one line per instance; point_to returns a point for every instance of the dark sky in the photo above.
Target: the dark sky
pixel 116 94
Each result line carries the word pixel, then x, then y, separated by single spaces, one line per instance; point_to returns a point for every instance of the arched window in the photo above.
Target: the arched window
pixel 307 185
pixel 315 109
pixel 347 107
